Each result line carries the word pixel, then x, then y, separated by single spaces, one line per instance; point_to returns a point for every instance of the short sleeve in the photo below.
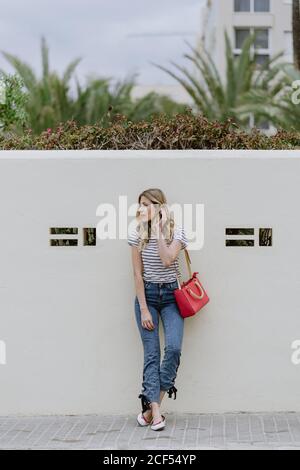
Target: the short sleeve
pixel 179 234
pixel 133 238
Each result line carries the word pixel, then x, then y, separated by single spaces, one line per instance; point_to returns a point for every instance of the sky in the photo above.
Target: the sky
pixel 114 38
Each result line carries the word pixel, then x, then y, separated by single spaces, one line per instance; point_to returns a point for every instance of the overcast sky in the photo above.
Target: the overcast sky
pixel 113 37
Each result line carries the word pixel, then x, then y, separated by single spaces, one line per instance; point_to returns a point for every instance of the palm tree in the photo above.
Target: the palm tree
pixel 48 97
pixel 296 33
pixel 281 108
pixel 50 101
pixel 96 99
pixel 220 100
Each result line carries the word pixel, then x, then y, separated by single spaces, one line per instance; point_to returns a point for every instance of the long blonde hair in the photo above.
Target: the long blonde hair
pixel 157 197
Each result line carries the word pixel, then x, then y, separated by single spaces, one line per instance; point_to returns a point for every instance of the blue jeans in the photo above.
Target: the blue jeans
pixel 161 301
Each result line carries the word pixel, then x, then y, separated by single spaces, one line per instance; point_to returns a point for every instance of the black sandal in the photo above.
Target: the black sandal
pixel 171 391
pixel 146 404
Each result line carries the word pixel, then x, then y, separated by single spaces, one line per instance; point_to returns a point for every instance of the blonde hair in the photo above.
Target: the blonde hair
pixel 157 197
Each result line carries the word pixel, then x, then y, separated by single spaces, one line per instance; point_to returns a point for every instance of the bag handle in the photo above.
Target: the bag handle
pixel 189 266
pixel 193 294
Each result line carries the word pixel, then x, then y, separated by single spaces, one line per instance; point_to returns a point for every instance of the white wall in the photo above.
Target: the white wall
pixel 66 313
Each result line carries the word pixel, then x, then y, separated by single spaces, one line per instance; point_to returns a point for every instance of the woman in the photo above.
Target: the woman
pixel 156 242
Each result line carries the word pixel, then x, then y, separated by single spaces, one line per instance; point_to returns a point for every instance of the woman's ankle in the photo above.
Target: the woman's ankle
pixel 155 408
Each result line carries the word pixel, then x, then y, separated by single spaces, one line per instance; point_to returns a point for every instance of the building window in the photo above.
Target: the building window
pixel 262 5
pixel 252 6
pixel 241 35
pixel 242 5
pixel 262 39
pixel 260 49
pixel 261 59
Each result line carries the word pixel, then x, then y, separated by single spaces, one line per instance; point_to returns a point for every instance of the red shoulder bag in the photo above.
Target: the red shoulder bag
pixel 190 295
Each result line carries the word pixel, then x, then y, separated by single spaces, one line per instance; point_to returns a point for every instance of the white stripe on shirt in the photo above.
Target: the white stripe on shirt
pixel 153 268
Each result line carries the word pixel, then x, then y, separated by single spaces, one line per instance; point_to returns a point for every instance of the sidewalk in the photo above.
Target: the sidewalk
pixel 183 431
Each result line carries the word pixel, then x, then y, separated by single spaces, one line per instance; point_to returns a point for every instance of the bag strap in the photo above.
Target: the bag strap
pixel 189 266
pixel 188 261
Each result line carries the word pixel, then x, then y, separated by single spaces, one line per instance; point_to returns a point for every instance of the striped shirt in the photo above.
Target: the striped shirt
pixel 153 268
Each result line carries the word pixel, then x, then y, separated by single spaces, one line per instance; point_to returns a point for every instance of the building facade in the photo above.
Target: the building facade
pixel 271 20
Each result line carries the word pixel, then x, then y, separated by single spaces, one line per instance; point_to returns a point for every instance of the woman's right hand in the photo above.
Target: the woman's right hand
pixel 146 319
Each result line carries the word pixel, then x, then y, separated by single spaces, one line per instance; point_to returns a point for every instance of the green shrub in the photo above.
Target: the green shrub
pixel 181 132
pixel 13 100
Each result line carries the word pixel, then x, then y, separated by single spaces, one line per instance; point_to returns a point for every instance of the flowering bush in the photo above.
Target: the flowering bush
pixel 183 132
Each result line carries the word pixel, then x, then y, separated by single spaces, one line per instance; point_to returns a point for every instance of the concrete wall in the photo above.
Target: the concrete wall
pixel 66 313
